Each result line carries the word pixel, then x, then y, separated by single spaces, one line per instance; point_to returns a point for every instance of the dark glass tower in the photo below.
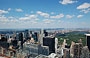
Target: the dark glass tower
pixel 46 33
pixel 88 40
pixel 26 34
pixel 50 42
pixel 21 39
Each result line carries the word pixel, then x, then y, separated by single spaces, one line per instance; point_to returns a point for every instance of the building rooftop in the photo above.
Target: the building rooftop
pixel 87 34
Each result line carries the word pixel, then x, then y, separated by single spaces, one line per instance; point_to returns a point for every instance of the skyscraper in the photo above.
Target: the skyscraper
pixel 85 52
pixel 35 36
pixel 66 53
pixel 51 42
pixel 41 37
pixel 45 33
pixel 27 34
pixel 21 39
pixel 88 40
pixel 75 50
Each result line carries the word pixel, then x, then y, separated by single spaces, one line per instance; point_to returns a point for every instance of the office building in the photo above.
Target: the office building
pixel 64 43
pixel 66 52
pixel 88 40
pixel 51 42
pixel 36 49
pixel 27 34
pixel 85 52
pixel 14 43
pixel 35 36
pixel 45 33
pixel 41 37
pixel 75 50
pixel 21 39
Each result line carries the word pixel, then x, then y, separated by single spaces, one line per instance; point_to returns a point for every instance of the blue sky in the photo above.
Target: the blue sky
pixel 44 14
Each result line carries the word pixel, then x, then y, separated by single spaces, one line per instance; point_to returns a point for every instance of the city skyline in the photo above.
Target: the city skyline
pixel 44 14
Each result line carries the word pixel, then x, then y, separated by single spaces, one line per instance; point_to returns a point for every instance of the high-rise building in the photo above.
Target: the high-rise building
pixel 64 43
pixel 14 42
pixel 17 36
pixel 51 42
pixel 36 49
pixel 0 36
pixel 85 52
pixel 35 36
pixel 66 53
pixel 88 40
pixel 27 34
pixel 41 37
pixel 45 33
pixel 75 50
pixel 21 39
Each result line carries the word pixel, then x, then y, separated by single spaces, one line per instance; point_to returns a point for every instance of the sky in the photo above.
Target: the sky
pixel 44 14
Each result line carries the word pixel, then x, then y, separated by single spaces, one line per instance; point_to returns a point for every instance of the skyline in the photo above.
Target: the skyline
pixel 44 14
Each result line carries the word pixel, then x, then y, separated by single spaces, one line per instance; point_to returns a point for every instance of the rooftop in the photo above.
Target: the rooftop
pixel 87 34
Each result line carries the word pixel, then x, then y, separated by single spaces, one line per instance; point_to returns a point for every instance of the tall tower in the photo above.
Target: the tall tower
pixel 27 34
pixel 75 50
pixel 51 42
pixel 88 40
pixel 56 44
pixel 21 39
pixel 41 36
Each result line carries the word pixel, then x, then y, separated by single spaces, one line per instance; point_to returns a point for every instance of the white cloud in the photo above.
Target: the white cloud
pixel 34 22
pixel 9 9
pixel 57 16
pixel 3 19
pixel 47 21
pixel 29 17
pixel 46 15
pixel 85 10
pixel 19 10
pixel 79 16
pixel 67 1
pixel 59 21
pixel 14 20
pixel 85 7
pixel 10 17
pixel 3 12
pixel 69 16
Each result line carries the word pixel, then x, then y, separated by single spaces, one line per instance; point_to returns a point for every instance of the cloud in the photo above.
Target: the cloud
pixel 85 10
pixel 19 10
pixel 69 16
pixel 57 16
pixel 85 7
pixel 3 19
pixel 46 15
pixel 9 9
pixel 67 1
pixel 29 17
pixel 10 17
pixel 48 21
pixel 34 22
pixel 3 12
pixel 79 16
